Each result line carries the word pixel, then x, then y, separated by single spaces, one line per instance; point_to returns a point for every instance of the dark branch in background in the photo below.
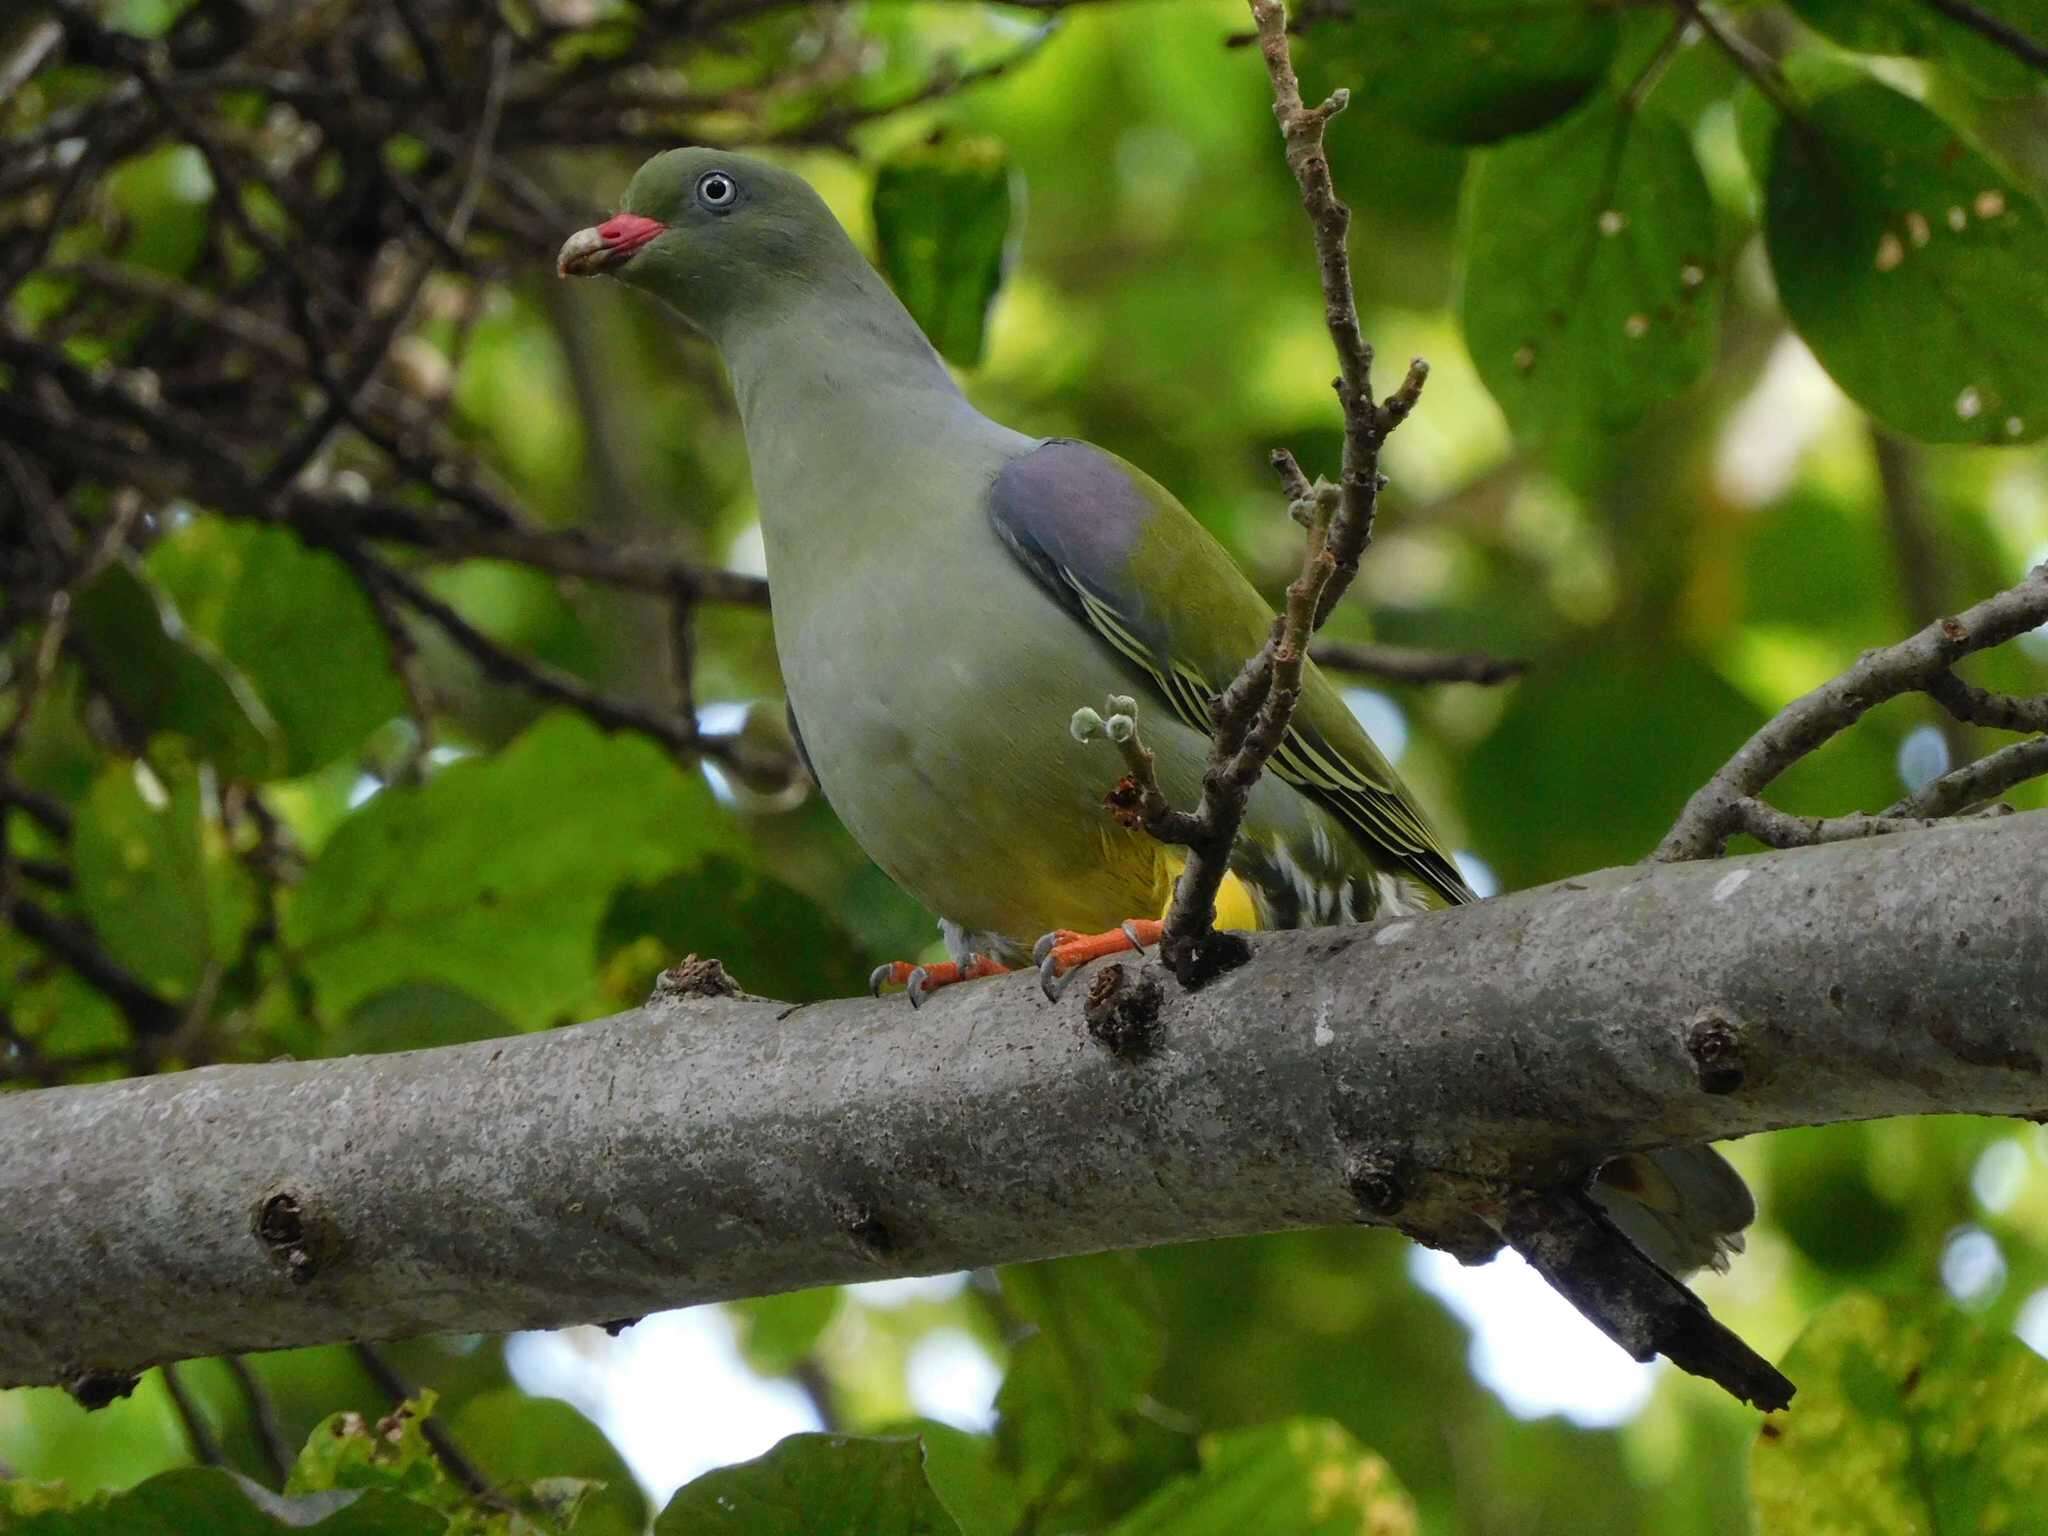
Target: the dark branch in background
pixel 1410 664
pixel 277 1452
pixel 199 1434
pixel 1916 554
pixel 1995 30
pixel 1249 718
pixel 1760 67
pixel 284 377
pixel 446 1448
pixel 1728 803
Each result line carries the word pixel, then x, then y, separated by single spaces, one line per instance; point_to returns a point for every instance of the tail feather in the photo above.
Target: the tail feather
pixel 1683 1206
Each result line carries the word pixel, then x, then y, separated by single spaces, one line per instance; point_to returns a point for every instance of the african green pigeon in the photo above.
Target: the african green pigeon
pixel 946 591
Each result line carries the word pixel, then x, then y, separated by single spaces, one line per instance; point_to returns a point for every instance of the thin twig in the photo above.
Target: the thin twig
pixel 500 665
pixel 1973 783
pixel 1922 663
pixel 1250 718
pixel 1366 424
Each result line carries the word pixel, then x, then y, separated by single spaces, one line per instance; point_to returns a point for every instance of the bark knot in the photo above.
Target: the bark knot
pixel 1123 1012
pixel 1714 1040
pixel 693 977
pixel 297 1241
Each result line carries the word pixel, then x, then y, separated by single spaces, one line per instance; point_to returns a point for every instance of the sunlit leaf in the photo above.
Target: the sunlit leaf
pixel 1591 280
pixel 830 1485
pixel 522 1440
pixel 942 222
pixel 777 1332
pixel 1909 1418
pixel 1097 1344
pixel 167 901
pixel 464 882
pixel 295 624
pixel 966 1472
pixel 1913 267
pixel 1307 1477
pixel 164 679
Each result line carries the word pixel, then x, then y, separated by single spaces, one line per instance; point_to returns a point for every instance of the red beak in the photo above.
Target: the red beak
pixel 610 244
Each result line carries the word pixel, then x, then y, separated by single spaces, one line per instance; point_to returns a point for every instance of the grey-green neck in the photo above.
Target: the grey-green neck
pixel 837 334
pixel 856 432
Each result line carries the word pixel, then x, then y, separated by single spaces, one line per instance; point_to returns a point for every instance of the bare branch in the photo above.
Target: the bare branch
pixel 1249 719
pixel 1727 803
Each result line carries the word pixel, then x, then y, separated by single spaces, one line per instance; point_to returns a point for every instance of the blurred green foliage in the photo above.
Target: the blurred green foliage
pixel 1622 258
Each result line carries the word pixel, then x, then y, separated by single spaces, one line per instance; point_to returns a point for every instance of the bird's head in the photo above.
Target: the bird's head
pixel 718 236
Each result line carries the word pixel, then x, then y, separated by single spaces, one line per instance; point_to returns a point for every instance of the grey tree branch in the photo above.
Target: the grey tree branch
pixel 1428 1072
pixel 1923 663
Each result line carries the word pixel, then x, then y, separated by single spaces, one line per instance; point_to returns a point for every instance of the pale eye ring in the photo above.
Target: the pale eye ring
pixel 717 191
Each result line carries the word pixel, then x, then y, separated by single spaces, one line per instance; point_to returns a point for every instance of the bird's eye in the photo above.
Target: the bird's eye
pixel 717 190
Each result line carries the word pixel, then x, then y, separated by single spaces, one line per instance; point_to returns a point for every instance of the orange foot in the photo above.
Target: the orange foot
pixel 1063 951
pixel 923 980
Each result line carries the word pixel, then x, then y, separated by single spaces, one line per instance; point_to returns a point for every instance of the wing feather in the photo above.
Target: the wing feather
pixel 1077 517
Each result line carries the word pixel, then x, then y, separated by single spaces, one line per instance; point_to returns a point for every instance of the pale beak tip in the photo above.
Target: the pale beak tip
pixel 578 253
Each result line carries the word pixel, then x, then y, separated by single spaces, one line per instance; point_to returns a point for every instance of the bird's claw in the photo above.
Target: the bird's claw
pixel 921 981
pixel 1062 952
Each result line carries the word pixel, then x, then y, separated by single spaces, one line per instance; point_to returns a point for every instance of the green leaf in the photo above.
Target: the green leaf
pixel 1909 1418
pixel 285 616
pixel 1646 729
pixel 162 678
pixel 162 197
pixel 966 1472
pixel 778 1332
pixel 494 875
pixel 1591 277
pixel 775 940
pixel 413 1016
pixel 165 896
pixel 942 224
pixel 1913 267
pixel 1097 1347
pixel 821 1485
pixel 192 1500
pixel 1305 1477
pixel 1831 1199
pixel 1917 29
pixel 519 1439
pixel 346 1451
pixel 1468 71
